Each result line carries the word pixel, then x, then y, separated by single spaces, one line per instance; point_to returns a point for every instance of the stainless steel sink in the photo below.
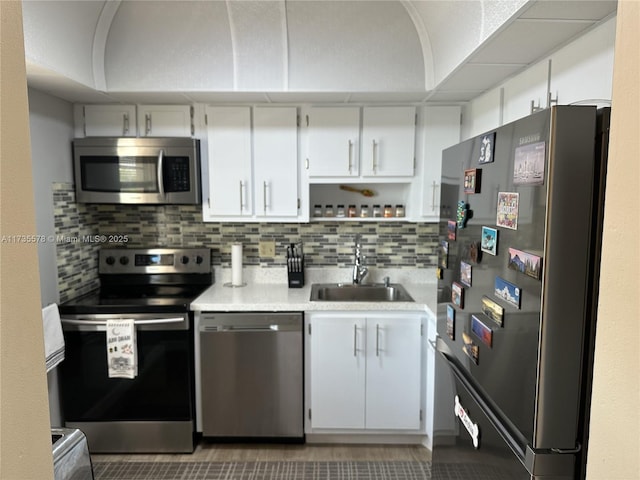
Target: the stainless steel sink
pixel 344 292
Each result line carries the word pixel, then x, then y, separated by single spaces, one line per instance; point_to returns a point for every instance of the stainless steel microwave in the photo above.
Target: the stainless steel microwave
pixel 137 170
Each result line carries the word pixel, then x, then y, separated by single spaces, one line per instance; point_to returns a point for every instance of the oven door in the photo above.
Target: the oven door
pixel 135 414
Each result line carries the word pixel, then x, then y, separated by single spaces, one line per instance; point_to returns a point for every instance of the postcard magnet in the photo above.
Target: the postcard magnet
pixel 507 291
pixel 529 164
pixel 483 332
pixel 489 242
pixel 493 310
pixel 472 179
pixel 451 322
pixel 443 254
pixel 457 294
pixel 452 227
pixel 526 263
pixel 507 210
pixel 470 348
pixel 487 148
pixel 465 273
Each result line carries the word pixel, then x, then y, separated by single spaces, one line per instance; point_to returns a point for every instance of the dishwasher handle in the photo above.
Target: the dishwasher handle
pixel 239 328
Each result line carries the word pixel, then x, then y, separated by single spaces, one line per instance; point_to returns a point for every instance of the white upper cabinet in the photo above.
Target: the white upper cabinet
pixel 349 143
pixel 106 120
pixel 275 145
pixel 115 120
pixel 252 164
pixel 334 141
pixel 441 130
pixel 229 163
pixel 388 141
pixel 164 121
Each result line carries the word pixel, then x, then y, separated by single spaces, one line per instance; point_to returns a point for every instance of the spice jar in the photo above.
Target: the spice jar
pixel 340 211
pixel 364 211
pixel 317 210
pixel 388 211
pixel 328 211
pixel 399 210
pixel 352 212
pixel 377 212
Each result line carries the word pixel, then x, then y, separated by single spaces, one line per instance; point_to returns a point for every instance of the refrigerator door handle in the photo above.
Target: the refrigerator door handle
pixel 509 438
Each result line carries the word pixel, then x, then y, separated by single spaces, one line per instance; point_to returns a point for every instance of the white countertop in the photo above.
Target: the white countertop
pixel 270 293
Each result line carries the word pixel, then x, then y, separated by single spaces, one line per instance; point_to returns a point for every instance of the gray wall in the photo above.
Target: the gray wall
pixel 51 125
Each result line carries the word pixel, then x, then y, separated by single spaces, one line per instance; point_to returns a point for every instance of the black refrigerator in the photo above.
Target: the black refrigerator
pixel 519 244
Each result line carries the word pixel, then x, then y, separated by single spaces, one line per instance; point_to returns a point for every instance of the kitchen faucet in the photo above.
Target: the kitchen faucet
pixel 359 270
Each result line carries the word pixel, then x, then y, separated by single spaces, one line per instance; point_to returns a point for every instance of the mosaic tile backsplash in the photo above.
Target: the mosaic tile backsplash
pixel 385 245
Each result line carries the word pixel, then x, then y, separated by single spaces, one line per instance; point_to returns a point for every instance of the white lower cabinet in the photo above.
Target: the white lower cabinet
pixel 365 371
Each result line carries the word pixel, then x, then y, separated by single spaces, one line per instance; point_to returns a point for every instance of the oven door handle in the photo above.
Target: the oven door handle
pixel 101 325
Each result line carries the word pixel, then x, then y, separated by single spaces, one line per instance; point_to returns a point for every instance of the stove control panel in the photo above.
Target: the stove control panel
pixel 154 260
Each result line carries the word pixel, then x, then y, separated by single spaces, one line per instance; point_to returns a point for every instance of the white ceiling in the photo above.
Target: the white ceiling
pixel 453 72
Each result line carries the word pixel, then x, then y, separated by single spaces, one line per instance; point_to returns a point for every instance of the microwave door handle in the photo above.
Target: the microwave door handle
pixel 160 177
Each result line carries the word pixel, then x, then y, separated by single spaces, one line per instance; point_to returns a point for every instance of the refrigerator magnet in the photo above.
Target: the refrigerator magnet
pixel 451 229
pixel 507 210
pixel 507 292
pixel 443 254
pixel 481 331
pixel 492 310
pixel 487 148
pixel 489 242
pixel 451 322
pixel 528 164
pixel 472 180
pixel 475 252
pixel 462 214
pixel 457 294
pixel 465 274
pixel 469 348
pixel 526 263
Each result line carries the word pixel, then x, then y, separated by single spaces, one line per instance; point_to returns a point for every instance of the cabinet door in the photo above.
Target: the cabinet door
pixel 388 141
pixel 333 141
pixel 229 163
pixel 276 161
pixel 110 120
pixel 441 130
pixel 393 372
pixel 337 371
pixel 164 120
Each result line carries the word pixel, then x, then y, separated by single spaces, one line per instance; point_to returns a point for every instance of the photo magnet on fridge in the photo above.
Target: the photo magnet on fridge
pixel 492 310
pixel 528 164
pixel 526 263
pixel 451 322
pixel 487 148
pixel 469 348
pixel 507 211
pixel 457 294
pixel 489 242
pixel 483 332
pixel 452 227
pixel 443 254
pixel 507 291
pixel 465 273
pixel 472 179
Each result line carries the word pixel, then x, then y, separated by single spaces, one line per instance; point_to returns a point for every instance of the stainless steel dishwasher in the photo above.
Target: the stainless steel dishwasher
pixel 252 375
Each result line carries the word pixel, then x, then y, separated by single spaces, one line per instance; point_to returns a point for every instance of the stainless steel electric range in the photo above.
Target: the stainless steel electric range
pixel 155 410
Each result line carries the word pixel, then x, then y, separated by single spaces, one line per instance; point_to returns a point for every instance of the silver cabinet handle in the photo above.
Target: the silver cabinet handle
pixel 264 194
pixel 160 175
pixel 355 337
pixel 241 196
pixel 374 156
pixel 147 124
pixel 125 123
pixel 434 187
pixel 350 156
pixel 377 340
